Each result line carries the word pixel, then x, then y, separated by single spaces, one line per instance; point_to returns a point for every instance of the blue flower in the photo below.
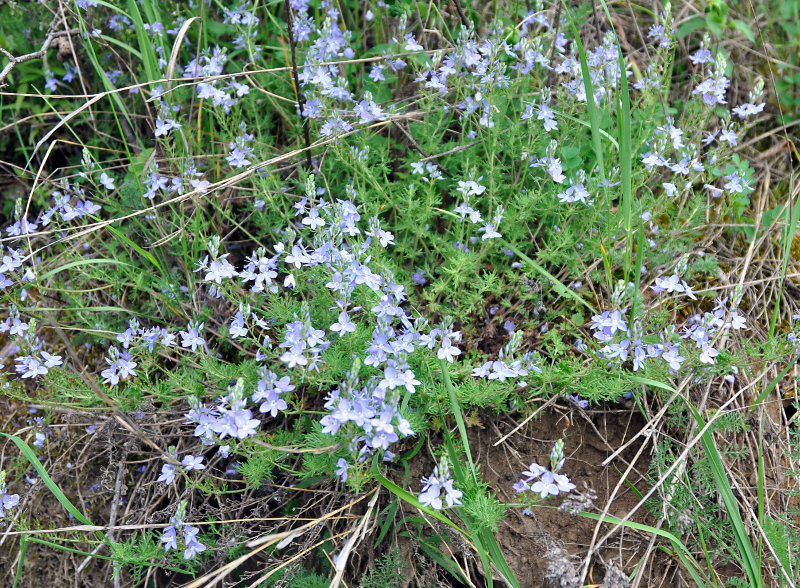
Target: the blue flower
pixel 192 337
pixel 341 469
pixel 169 538
pixel 167 474
pixel 193 546
pixel 107 181
pixel 191 462
pixel 447 351
pixel 343 325
pixel 7 501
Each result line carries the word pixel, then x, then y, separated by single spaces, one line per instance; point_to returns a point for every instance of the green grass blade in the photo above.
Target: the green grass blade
pixel 485 543
pixel 480 547
pixel 770 387
pixel 135 52
pixel 591 107
pixel 626 162
pixel 792 215
pixel 651 382
pixel 70 549
pixel 116 100
pixel 558 286
pixel 146 254
pixel 489 540
pixel 637 277
pixel 79 263
pixel 145 46
pixel 456 409
pixel 745 547
pixel 437 556
pixel 30 455
pixel 603 133
pixel 23 551
pixel 388 520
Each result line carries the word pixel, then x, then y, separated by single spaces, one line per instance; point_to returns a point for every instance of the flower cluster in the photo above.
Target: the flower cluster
pixel 370 413
pixel 327 239
pixel 543 112
pixel 269 390
pixel 546 482
pixel 228 418
pixel 210 65
pixel 576 192
pixel 712 89
pixel 30 366
pixel 36 361
pixel 428 170
pixel 164 123
pixel 120 366
pixel 248 23
pixel 673 283
pixel 509 364
pixel 438 485
pixel 624 339
pixel 188 463
pixel 71 201
pixel 12 259
pixel 303 343
pixel 550 163
pixel 189 534
pixel 157 183
pixel 240 148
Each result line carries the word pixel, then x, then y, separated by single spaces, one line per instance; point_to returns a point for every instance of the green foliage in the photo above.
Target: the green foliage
pixel 256 470
pixel 387 572
pixel 484 507
pixel 301 578
pixel 136 554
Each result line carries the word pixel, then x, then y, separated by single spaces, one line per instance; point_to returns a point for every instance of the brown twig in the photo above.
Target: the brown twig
pixel 297 91
pixel 461 14
pixel 13 61
pixel 556 25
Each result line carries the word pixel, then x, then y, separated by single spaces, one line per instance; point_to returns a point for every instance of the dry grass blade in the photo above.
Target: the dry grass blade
pixel 280 540
pixel 176 47
pixel 356 535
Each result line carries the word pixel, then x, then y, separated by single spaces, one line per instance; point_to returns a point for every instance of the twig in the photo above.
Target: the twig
pixel 556 26
pixel 297 90
pixel 13 61
pixel 461 14
pixel 112 520
pixel 410 138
